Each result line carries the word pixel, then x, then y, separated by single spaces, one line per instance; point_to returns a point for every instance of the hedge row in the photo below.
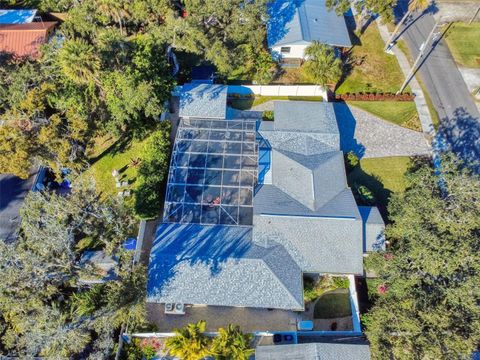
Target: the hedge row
pixel 374 97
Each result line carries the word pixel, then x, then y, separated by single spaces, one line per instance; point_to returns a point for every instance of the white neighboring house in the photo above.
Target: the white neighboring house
pixel 294 25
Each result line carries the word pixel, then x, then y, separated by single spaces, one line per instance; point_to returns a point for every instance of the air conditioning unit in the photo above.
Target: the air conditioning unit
pixel 175 308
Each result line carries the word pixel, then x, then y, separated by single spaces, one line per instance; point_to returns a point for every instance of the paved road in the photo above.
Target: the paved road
pixel 460 118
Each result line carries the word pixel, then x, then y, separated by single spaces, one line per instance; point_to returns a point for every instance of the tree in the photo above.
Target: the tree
pixel 231 343
pixel 322 66
pixel 79 62
pixel 428 304
pixel 151 174
pixel 40 270
pixel 225 32
pixel 413 5
pixel 384 8
pixel 190 342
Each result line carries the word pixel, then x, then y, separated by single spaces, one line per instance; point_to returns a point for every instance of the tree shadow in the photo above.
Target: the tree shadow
pixel 461 135
pixel 357 176
pixel 121 145
pixel 351 26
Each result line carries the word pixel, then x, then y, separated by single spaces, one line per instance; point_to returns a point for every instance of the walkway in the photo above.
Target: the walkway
pixel 420 102
pixel 371 137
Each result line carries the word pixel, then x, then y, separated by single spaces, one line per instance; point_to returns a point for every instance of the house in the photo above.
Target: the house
pixel 253 206
pixel 13 191
pixel 315 351
pixel 21 35
pixel 203 100
pixel 294 25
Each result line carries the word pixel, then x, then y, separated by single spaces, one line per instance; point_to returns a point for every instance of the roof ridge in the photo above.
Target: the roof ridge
pixel 270 253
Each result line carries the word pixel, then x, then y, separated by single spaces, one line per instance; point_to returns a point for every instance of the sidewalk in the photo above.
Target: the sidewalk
pixel 420 102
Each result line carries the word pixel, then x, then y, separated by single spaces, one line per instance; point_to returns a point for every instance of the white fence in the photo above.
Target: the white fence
pixel 279 90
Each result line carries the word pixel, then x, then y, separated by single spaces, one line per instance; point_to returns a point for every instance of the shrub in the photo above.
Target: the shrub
pixel 268 115
pixel 351 160
pixel 364 195
pixel 151 174
pixel 341 282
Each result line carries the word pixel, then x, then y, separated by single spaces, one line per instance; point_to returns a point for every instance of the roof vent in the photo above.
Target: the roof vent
pixel 316 20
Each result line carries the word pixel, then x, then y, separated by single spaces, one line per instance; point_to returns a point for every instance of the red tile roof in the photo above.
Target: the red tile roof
pixel 24 40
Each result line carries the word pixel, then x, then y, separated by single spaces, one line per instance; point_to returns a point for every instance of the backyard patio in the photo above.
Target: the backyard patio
pixel 249 319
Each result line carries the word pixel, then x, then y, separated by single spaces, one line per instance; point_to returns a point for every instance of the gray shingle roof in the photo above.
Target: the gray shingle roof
pixel 373 227
pixel 203 101
pixel 297 22
pixel 305 116
pixel 317 244
pixel 220 265
pixel 308 206
pixel 314 351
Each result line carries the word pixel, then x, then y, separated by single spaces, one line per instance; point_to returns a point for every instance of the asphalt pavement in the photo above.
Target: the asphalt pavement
pixel 459 116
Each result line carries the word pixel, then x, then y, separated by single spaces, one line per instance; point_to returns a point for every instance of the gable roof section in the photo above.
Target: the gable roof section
pixel 314 351
pixel 305 116
pixel 24 40
pixel 304 21
pixel 373 228
pixel 220 265
pixel 17 16
pixel 317 244
pixel 203 101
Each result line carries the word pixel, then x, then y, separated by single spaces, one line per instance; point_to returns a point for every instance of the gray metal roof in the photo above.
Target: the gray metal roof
pixel 374 229
pixel 220 265
pixel 304 21
pixel 17 16
pixel 203 101
pixel 12 193
pixel 314 351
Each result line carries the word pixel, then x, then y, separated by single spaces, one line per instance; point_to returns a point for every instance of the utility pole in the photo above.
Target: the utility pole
pixel 423 47
pixel 474 16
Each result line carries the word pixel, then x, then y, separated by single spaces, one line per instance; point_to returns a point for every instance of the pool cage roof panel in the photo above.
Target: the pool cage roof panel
pixel 213 172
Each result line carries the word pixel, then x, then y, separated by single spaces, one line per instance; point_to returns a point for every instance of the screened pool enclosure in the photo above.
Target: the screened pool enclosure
pixel 213 172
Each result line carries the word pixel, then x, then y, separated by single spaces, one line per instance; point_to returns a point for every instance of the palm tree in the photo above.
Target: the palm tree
pixel 322 66
pixel 189 342
pixel 231 343
pixel 78 61
pixel 413 5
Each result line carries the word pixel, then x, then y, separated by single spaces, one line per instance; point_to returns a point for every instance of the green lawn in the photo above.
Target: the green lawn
pixel 403 113
pixel 464 43
pixel 383 176
pixel 333 305
pixel 247 104
pixel 378 71
pixel 108 154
